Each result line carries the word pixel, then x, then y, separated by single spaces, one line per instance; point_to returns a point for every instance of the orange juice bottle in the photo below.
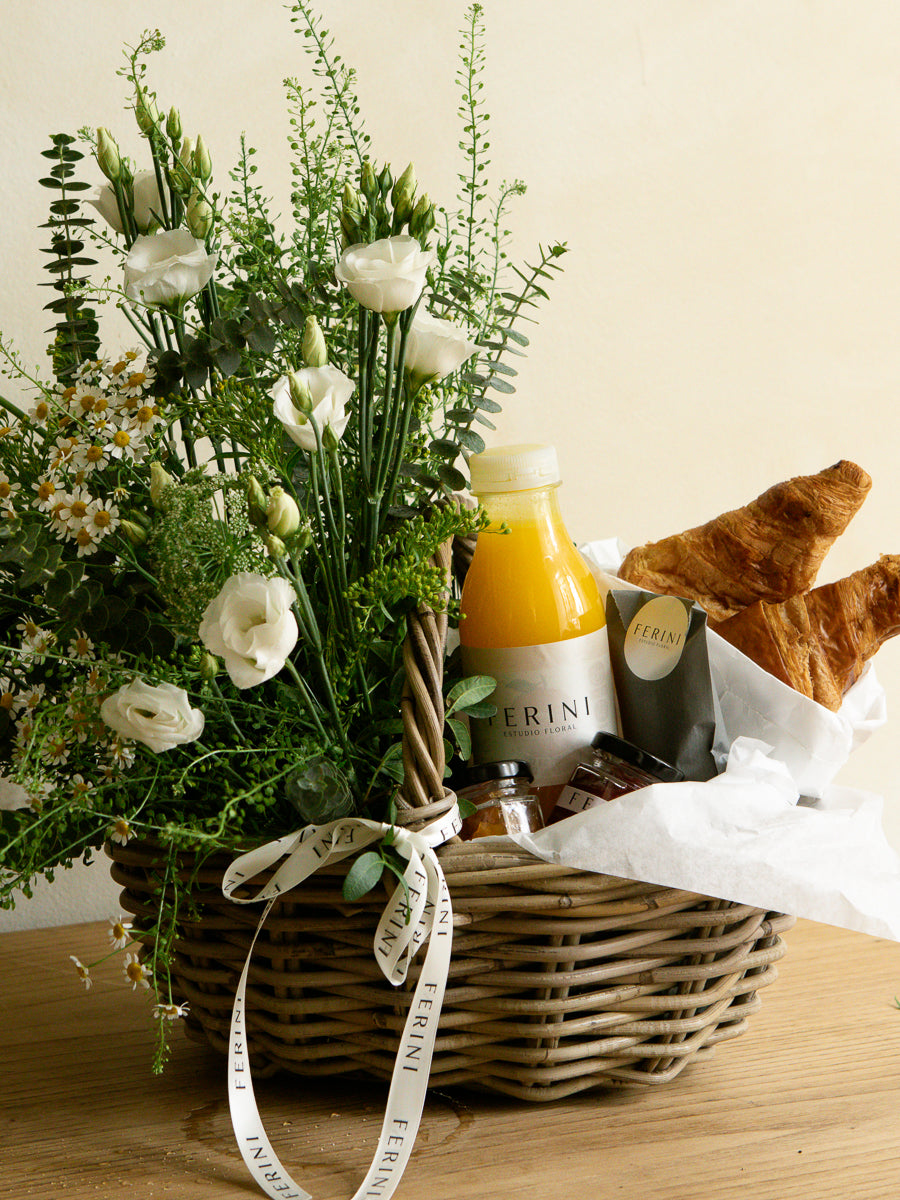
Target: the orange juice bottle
pixel 532 617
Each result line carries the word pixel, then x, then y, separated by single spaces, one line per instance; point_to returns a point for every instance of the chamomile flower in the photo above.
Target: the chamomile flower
pixel 119 936
pixel 32 696
pixel 119 832
pixel 56 749
pixel 101 519
pixel 28 629
pixel 63 455
pixel 135 383
pixel 95 680
pixel 8 490
pixel 93 456
pixel 84 973
pixel 146 417
pixel 170 1012
pixel 127 444
pixel 86 542
pixel 36 648
pixel 135 972
pixel 81 646
pixel 46 494
pixel 81 722
pixel 10 698
pixel 85 400
pixel 122 754
pixel 75 507
pixel 40 414
pixel 81 791
pixel 89 367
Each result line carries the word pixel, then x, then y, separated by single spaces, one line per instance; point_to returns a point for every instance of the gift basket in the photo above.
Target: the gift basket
pixel 225 557
pixel 560 980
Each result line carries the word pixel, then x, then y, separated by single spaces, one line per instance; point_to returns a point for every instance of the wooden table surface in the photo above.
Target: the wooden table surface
pixel 805 1104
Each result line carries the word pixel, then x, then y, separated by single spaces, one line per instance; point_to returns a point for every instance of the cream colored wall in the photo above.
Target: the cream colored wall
pixel 727 177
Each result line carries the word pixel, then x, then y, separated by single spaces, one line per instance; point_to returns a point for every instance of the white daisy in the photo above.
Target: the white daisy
pixel 40 414
pixel 135 972
pixel 127 444
pixel 55 749
pixel 8 490
pixel 46 494
pixel 135 383
pixel 101 519
pixel 74 509
pixel 84 973
pixel 118 932
pixel 10 698
pixel 81 646
pixel 119 832
pixel 33 695
pixel 81 791
pixel 170 1012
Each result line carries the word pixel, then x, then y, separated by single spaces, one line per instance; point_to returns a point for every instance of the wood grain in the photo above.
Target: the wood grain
pixel 806 1104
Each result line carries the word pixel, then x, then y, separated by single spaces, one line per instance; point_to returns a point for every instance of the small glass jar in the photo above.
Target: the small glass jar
pixel 612 767
pixel 503 799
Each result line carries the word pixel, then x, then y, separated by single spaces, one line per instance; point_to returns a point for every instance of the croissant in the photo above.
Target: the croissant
pixel 819 643
pixel 768 550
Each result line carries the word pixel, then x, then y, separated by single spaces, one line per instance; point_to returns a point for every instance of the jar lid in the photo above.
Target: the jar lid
pixel 485 772
pixel 514 468
pixel 636 757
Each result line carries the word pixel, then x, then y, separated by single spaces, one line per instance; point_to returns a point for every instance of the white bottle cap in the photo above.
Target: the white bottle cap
pixel 514 468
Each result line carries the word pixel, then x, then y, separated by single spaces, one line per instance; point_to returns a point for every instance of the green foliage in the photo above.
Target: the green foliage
pixel 142 483
pixel 76 327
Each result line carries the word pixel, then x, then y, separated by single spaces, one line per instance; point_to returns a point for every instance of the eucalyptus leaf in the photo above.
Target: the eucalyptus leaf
pixel 362 876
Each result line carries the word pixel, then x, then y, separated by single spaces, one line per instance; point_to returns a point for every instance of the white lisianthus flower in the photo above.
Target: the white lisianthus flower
pixel 329 390
pixel 251 627
pixel 146 203
pixel 160 716
pixel 435 347
pixel 386 276
pixel 166 268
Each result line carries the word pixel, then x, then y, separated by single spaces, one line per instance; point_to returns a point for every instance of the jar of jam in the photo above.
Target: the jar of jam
pixel 612 767
pixel 503 798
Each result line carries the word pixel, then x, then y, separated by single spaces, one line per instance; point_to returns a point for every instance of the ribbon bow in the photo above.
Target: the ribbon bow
pixel 405 925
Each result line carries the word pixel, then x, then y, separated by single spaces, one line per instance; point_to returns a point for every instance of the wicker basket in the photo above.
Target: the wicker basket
pixel 561 980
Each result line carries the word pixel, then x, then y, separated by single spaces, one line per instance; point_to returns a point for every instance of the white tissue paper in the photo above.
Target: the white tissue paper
pixel 747 835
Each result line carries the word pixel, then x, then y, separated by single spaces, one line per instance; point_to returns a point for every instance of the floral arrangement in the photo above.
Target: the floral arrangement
pixel 209 541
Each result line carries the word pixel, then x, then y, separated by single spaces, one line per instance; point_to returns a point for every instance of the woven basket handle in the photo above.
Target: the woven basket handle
pixel 422 703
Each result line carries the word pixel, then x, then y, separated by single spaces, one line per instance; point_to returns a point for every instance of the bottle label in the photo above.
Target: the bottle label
pixel 551 700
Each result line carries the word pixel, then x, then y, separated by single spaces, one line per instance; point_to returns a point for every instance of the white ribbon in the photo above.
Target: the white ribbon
pixel 403 928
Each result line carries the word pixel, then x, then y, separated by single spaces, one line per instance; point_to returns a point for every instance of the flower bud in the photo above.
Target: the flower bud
pixel 385 180
pixel 181 175
pixel 146 112
pixel 275 547
pixel 256 502
pixel 209 666
pixel 354 207
pixel 313 348
pixel 368 184
pixel 301 396
pixel 108 159
pixel 198 216
pixel 282 513
pixel 421 222
pixel 202 160
pixel 160 479
pixel 173 125
pixel 136 534
pixel 402 195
